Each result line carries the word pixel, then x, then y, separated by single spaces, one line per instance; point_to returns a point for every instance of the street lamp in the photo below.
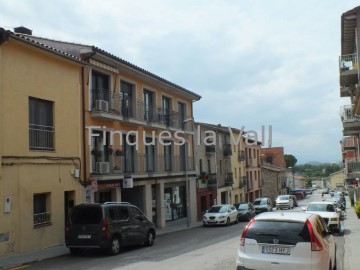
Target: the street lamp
pixel 187 179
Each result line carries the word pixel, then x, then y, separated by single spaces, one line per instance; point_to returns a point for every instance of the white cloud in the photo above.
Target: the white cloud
pixel 254 62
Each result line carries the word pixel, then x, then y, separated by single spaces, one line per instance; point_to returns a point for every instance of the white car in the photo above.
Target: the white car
pixel 222 214
pixel 284 201
pixel 286 240
pixel 328 212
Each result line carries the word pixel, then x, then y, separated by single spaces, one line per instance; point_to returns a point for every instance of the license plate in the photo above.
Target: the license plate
pixel 82 236
pixel 275 250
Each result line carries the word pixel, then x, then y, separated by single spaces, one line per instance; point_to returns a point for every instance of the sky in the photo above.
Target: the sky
pixel 254 62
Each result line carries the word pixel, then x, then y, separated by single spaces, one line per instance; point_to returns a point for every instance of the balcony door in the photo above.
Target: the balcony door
pixel 148 105
pixel 168 156
pixel 150 156
pixel 129 158
pixel 182 114
pixel 100 86
pixel 126 99
pixel 166 103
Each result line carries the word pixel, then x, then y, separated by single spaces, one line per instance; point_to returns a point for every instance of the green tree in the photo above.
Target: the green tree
pixel 290 160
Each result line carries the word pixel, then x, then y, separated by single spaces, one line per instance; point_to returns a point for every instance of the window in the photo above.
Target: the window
pixel 42 215
pixel 168 155
pixel 41 125
pixel 150 155
pixel 126 99
pixel 148 106
pixel 166 106
pixel 182 114
pixel 100 86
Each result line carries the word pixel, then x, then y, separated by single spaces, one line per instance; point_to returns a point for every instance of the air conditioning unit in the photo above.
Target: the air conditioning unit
pixel 102 105
pixel 103 167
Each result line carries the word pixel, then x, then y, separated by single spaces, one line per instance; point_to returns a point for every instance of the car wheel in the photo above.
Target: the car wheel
pixel 115 246
pixel 75 251
pixel 228 221
pixel 149 239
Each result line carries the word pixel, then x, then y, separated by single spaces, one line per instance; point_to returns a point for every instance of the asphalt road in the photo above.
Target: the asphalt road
pixel 210 248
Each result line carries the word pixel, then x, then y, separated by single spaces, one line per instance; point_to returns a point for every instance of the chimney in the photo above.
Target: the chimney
pixel 23 30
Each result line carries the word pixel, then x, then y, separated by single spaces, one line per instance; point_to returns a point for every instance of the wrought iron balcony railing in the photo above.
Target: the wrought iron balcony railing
pixel 106 101
pixel 104 164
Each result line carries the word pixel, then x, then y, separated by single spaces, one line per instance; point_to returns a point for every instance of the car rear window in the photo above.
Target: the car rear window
pixel 286 232
pixel 86 215
pixel 243 206
pixel 260 201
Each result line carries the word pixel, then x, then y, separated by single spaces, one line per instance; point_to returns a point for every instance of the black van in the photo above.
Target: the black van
pixel 108 226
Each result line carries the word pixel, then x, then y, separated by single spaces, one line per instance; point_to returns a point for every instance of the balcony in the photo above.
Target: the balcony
pixel 250 184
pixel 351 123
pixel 348 67
pixel 140 165
pixel 209 149
pixel 227 150
pixel 353 168
pixel 243 182
pixel 241 155
pixel 347 91
pixel 229 179
pixel 113 106
pixel 212 180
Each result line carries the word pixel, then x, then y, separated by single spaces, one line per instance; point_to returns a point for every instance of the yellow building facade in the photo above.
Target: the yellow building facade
pixel 137 124
pixel 40 143
pixel 238 158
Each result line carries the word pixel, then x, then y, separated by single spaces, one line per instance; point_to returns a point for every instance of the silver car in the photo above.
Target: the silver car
pixel 222 214
pixel 286 240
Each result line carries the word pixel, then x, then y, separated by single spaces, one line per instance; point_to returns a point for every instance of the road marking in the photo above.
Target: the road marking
pixel 20 267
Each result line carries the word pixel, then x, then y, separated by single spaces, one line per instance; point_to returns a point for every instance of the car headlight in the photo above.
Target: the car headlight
pixel 204 217
pixel 222 217
pixel 334 219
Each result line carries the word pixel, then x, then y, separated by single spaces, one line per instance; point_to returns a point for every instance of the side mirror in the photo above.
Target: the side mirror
pixel 303 208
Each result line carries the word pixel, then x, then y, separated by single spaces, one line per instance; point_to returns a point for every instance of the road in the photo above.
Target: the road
pixel 210 248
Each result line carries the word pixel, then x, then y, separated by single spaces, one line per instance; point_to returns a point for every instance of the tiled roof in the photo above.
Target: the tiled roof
pixel 118 59
pixel 5 34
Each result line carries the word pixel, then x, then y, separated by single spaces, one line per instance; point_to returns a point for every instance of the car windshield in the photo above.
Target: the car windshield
pixel 243 206
pixel 287 233
pixel 284 197
pixel 260 202
pixel 321 207
pixel 217 209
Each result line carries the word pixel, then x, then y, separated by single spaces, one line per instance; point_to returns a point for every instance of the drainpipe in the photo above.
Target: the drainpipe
pixel 83 123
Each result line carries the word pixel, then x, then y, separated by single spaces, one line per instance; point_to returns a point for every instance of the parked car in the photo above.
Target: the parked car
pixel 284 201
pixel 286 240
pixel 328 212
pixel 294 200
pixel 246 211
pixel 108 226
pixel 222 214
pixel 299 195
pixel 263 205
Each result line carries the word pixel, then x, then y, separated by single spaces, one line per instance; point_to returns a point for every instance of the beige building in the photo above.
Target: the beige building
pixel 336 180
pixel 137 124
pixel 238 157
pixel 252 170
pixel 40 142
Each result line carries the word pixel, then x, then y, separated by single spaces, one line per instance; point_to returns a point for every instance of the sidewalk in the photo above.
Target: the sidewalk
pixel 352 238
pixel 12 261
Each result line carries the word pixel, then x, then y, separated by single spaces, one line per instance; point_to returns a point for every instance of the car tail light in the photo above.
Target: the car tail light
pixel 105 227
pixel 243 235
pixel 315 243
